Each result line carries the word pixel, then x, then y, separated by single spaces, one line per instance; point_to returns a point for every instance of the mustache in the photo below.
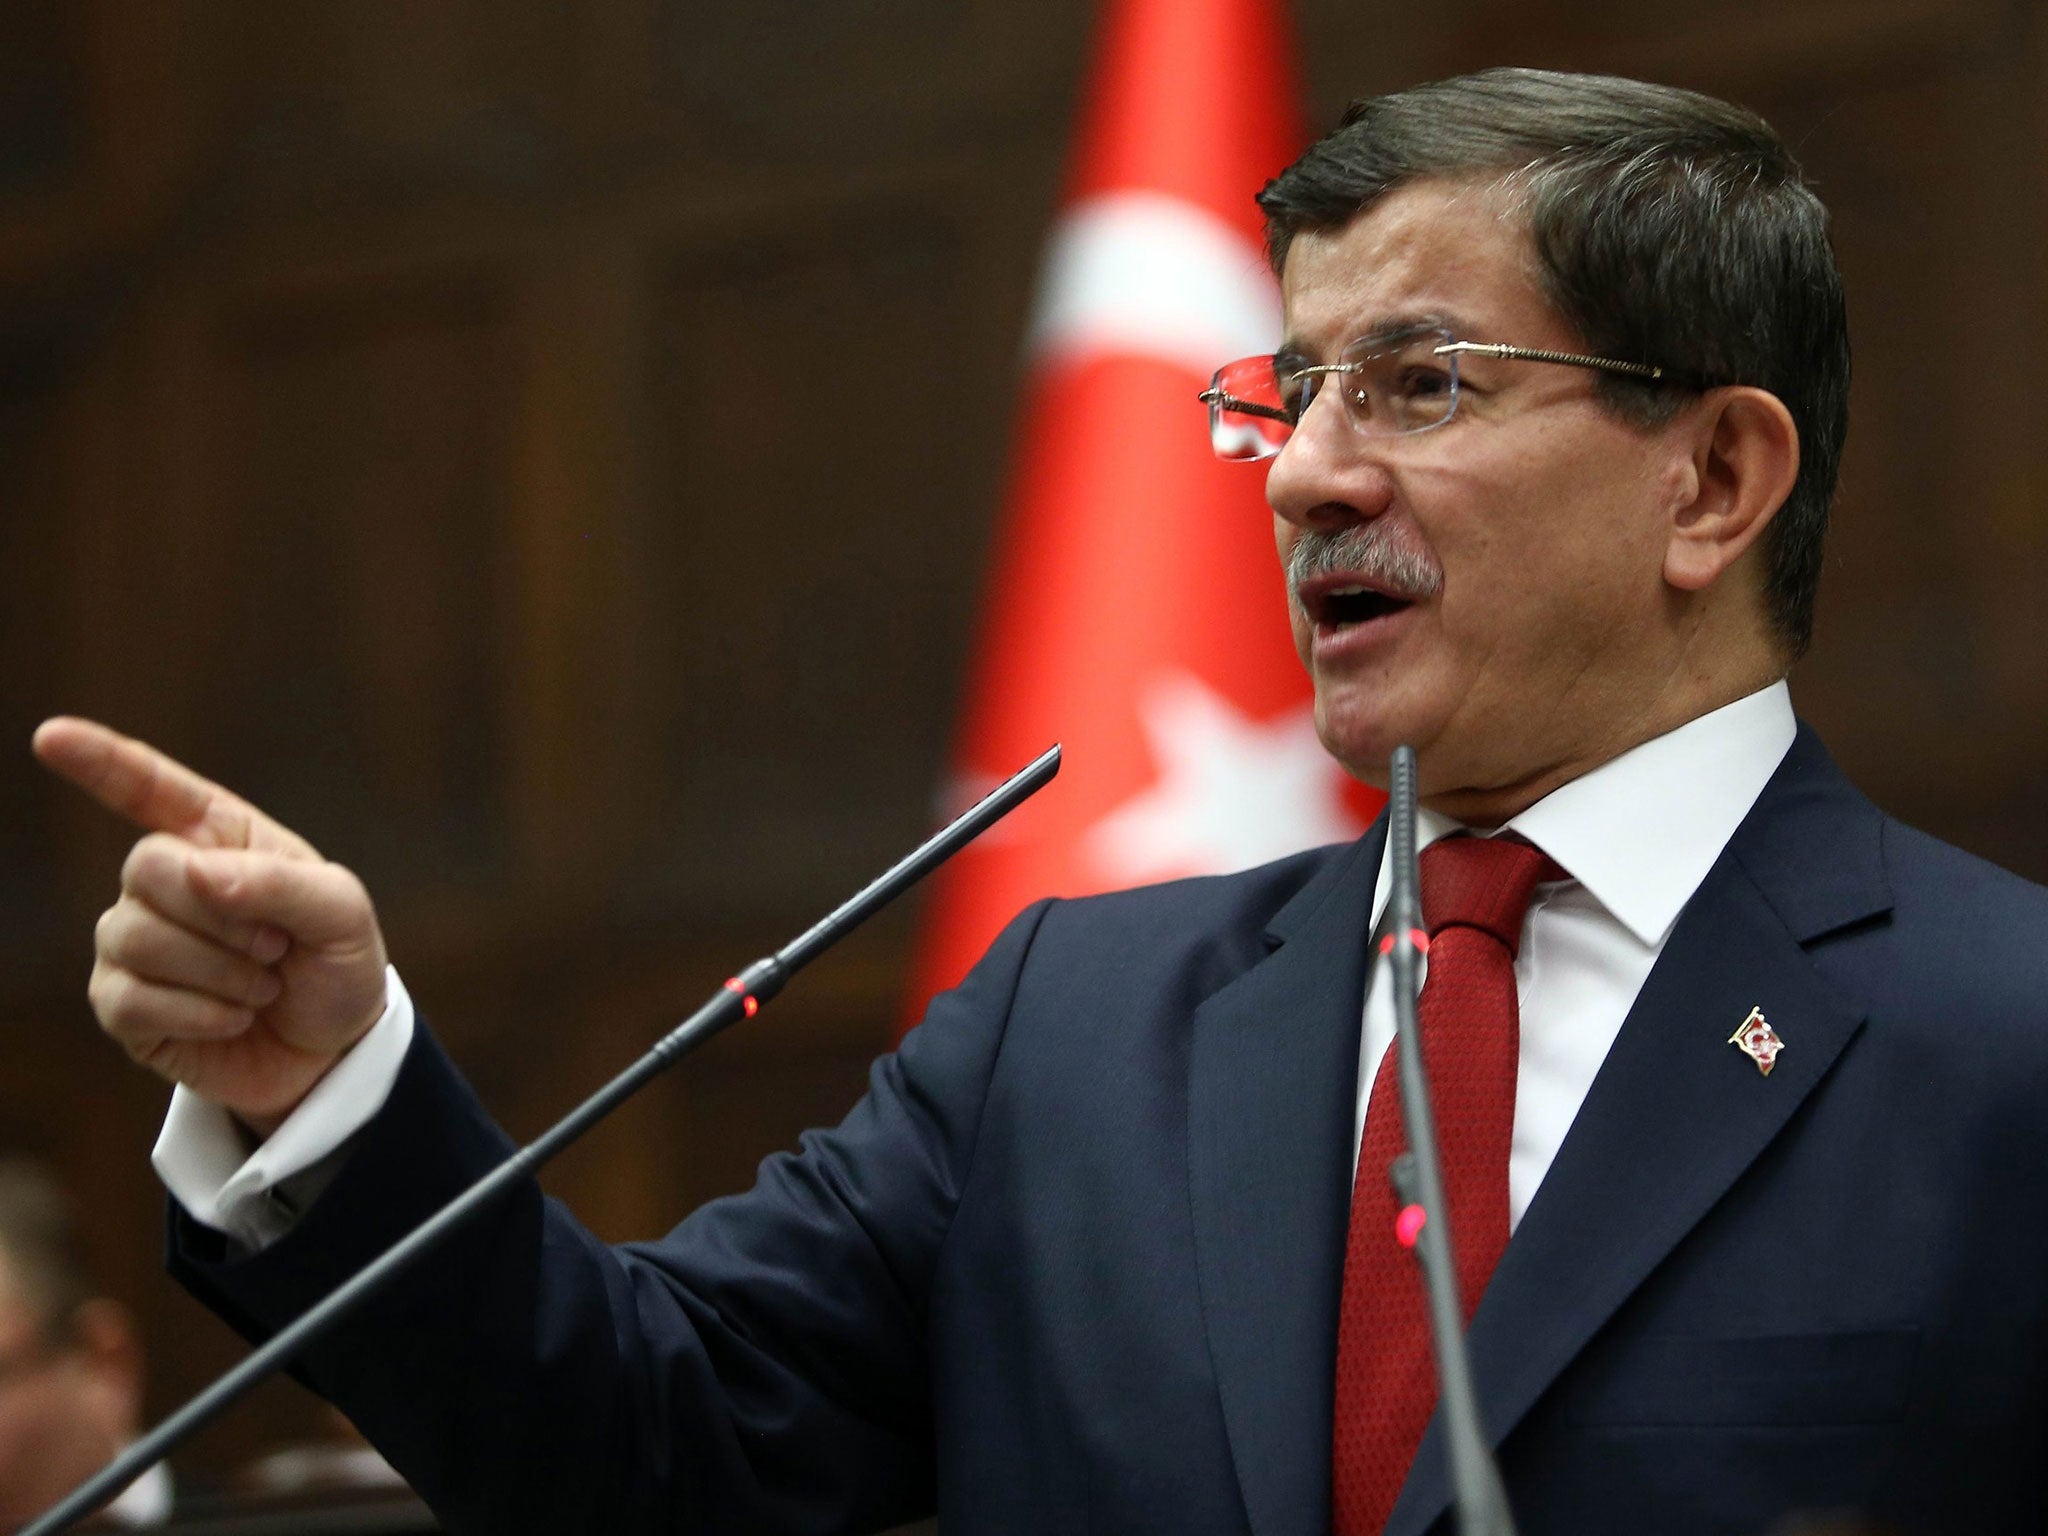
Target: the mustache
pixel 1372 551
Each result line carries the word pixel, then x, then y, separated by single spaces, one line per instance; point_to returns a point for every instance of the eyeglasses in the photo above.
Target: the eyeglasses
pixel 1392 384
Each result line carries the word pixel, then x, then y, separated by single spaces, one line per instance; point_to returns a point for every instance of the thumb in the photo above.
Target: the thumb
pixel 317 903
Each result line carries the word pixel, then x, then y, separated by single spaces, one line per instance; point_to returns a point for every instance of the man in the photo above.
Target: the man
pixel 1553 433
pixel 70 1362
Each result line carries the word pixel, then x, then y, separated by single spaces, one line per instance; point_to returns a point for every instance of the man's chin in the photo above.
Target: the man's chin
pixel 1364 744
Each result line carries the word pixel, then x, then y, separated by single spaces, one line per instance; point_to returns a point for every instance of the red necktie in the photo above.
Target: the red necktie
pixel 1475 893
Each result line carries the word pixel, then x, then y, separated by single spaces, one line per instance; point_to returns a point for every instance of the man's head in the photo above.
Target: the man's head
pixel 70 1366
pixel 1593 556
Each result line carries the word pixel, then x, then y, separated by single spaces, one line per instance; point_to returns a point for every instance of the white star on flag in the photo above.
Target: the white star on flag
pixel 1232 792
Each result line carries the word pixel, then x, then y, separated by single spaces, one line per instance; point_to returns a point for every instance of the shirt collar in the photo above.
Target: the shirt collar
pixel 1640 832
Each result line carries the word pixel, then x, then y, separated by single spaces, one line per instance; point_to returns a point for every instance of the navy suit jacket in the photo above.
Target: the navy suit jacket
pixel 1073 1263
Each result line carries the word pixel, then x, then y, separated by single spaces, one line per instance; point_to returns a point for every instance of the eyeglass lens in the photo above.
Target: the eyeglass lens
pixel 1389 386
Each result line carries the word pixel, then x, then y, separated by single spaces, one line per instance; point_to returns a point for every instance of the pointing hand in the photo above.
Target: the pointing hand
pixel 236 961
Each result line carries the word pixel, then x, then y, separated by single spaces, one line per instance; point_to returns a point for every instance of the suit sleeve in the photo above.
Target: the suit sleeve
pixel 761 1368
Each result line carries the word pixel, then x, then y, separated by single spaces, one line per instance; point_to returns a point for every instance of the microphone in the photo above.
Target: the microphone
pixel 740 998
pixel 1417 1174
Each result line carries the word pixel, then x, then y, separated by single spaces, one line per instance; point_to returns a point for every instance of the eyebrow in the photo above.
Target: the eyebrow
pixel 1294 354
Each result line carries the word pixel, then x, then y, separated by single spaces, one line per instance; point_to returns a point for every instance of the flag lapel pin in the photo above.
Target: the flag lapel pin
pixel 1755 1038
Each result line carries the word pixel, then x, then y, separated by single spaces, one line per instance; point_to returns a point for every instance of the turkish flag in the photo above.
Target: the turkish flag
pixel 1137 613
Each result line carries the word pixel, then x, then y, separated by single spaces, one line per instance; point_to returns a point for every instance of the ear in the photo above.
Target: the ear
pixel 1745 456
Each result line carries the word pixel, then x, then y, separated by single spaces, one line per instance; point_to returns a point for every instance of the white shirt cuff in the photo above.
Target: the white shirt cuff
pixel 203 1156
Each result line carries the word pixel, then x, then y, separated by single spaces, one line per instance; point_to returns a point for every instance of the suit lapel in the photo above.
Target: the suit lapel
pixel 1677 1114
pixel 1272 1096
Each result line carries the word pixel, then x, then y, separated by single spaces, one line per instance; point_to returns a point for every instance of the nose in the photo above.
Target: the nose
pixel 1328 473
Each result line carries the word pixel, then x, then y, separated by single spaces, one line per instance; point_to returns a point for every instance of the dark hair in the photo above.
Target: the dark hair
pixel 1670 227
pixel 39 1245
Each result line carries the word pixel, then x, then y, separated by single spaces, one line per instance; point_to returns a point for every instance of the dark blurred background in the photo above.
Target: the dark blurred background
pixel 545 452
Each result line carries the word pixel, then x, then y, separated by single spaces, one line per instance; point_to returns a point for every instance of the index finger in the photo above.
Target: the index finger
pixel 133 779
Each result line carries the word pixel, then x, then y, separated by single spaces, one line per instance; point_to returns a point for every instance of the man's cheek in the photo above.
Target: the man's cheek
pixel 1303 632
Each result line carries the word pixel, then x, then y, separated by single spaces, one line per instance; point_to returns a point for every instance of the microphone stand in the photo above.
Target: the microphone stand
pixel 1417 1174
pixel 740 997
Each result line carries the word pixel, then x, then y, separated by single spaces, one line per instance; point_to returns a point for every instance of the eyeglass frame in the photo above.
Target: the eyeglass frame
pixel 1651 373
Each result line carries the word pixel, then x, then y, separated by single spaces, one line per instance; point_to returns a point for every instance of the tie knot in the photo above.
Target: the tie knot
pixel 1483 883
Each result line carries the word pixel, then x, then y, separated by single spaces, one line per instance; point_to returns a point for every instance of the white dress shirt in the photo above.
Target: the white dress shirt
pixel 1637 835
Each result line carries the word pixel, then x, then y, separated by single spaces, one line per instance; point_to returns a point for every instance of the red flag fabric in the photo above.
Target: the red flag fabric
pixel 1137 612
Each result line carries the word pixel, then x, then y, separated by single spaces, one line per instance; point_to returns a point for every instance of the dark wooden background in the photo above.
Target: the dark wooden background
pixel 442 420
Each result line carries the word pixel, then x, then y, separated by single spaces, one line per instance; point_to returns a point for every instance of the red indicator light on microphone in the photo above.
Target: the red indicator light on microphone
pixel 1416 937
pixel 749 1005
pixel 1409 1224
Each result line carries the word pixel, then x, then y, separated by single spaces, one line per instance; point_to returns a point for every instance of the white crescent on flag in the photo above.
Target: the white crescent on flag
pixel 1145 274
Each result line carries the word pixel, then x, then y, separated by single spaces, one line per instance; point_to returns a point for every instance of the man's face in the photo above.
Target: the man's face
pixel 1524 538
pixel 65 1408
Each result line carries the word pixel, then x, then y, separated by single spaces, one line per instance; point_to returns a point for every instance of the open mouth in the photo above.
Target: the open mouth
pixel 1341 606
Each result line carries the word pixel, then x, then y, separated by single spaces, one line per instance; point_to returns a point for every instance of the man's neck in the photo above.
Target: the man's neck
pixel 1485 808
